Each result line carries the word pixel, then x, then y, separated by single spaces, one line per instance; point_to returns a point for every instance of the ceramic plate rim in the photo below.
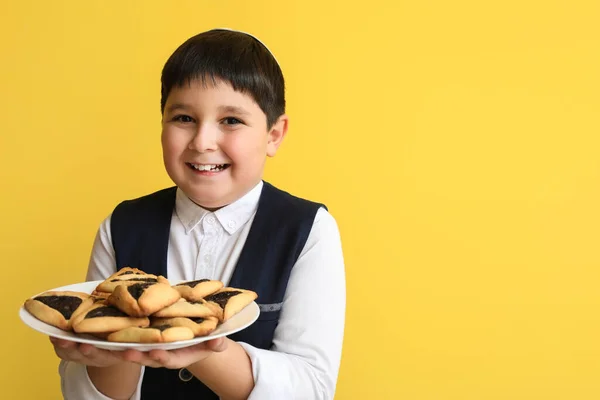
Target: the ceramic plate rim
pixel 238 322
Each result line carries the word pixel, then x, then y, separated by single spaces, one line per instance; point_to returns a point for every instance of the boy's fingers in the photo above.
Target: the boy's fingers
pixel 218 345
pixel 88 350
pixel 65 350
pixel 83 353
pixel 139 357
pixel 68 354
pixel 131 355
pixel 63 344
pixel 98 357
pixel 160 356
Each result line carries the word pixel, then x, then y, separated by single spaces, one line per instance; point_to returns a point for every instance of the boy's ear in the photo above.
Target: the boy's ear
pixel 276 135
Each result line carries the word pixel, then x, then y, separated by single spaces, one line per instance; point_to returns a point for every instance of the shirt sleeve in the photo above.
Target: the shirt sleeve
pixel 305 358
pixel 75 382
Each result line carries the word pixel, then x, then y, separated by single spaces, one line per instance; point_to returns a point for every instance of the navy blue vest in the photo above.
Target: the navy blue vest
pixel 140 234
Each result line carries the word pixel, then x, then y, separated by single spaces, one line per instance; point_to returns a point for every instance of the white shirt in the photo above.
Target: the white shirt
pixel 304 360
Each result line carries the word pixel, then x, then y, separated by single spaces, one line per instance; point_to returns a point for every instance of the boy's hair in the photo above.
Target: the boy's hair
pixel 231 56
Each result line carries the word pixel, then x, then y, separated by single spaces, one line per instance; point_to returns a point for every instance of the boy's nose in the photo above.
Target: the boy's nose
pixel 204 140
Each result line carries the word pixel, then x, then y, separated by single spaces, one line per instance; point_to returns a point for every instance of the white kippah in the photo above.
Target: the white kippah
pixel 249 34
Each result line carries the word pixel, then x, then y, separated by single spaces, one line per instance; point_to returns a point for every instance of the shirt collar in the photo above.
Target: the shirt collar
pixel 231 217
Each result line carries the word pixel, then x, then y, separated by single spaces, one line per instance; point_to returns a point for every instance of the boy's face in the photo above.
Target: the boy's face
pixel 215 142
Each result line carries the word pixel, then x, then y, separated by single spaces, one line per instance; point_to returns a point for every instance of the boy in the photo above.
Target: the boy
pixel 223 112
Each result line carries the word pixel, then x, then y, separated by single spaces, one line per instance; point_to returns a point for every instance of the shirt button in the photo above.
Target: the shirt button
pixel 231 224
pixel 210 220
pixel 207 258
pixel 185 375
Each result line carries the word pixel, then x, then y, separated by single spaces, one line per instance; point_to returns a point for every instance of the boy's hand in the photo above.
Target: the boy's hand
pixel 84 353
pixel 175 359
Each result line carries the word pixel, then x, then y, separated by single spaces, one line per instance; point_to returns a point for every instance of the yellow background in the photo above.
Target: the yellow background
pixel 456 142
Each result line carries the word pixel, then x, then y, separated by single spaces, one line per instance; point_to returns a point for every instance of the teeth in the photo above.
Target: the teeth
pixel 208 167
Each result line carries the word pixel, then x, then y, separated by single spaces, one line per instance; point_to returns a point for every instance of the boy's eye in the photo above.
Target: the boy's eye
pixel 183 118
pixel 232 121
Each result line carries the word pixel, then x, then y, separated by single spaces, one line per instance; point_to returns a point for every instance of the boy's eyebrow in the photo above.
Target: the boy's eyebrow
pixel 234 110
pixel 177 106
pixel 222 109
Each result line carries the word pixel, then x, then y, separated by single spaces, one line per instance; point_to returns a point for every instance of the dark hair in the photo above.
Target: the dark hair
pixel 234 57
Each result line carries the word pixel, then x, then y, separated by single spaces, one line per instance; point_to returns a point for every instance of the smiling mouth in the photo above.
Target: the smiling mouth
pixel 208 167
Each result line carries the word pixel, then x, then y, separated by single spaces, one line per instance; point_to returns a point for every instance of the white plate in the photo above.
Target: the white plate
pixel 238 322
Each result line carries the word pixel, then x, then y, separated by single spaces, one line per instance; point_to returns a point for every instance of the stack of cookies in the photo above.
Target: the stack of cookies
pixel 136 307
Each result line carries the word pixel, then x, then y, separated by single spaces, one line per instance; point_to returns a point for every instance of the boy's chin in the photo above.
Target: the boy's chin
pixel 213 197
pixel 209 201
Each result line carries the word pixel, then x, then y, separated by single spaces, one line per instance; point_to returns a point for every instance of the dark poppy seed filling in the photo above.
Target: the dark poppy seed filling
pixel 136 280
pixel 162 327
pixel 131 272
pixel 222 297
pixel 137 289
pixel 106 311
pixel 65 305
pixel 192 284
